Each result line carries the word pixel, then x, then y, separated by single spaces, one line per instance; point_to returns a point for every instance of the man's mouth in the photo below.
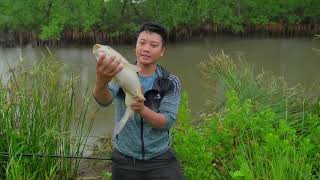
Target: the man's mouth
pixel 145 56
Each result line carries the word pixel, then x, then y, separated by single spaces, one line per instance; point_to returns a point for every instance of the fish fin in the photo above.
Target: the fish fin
pixel 141 97
pixel 139 94
pixel 133 67
pixel 120 125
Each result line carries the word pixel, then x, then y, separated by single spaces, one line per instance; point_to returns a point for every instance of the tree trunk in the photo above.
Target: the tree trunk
pixel 124 6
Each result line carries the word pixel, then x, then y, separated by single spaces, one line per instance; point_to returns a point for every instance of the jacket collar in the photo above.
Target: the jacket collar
pixel 162 74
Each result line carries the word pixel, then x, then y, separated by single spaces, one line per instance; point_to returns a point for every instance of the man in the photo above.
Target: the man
pixel 142 150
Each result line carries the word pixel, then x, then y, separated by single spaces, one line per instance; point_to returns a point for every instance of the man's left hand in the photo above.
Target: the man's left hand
pixel 138 105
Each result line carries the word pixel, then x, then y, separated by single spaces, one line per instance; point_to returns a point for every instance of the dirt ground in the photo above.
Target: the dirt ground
pixel 97 169
pixel 94 169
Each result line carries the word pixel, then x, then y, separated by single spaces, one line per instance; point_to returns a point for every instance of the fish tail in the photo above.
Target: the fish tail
pixel 120 125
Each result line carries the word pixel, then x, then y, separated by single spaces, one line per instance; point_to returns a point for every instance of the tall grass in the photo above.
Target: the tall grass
pixel 37 113
pixel 265 90
pixel 263 130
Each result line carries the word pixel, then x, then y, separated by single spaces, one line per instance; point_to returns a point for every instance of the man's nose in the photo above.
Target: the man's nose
pixel 146 48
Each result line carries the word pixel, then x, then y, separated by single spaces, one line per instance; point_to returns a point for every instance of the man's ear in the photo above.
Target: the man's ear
pixel 163 50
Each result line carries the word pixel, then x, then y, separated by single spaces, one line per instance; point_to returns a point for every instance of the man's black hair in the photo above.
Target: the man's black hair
pixel 155 28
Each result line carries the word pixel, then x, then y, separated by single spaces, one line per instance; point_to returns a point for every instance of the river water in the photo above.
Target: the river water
pixel 295 59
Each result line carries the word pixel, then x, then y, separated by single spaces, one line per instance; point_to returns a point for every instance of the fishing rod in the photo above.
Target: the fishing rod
pixel 53 156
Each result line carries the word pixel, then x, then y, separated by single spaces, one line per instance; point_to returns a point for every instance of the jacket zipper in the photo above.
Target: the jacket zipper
pixel 142 140
pixel 141 134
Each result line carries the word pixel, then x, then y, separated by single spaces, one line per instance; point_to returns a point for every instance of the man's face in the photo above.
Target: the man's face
pixel 149 48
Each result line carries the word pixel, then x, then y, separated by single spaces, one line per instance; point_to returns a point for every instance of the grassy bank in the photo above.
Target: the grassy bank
pixel 263 130
pixel 40 114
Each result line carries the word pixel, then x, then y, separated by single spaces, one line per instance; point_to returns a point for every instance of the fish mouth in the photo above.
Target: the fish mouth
pixel 95 50
pixel 96 47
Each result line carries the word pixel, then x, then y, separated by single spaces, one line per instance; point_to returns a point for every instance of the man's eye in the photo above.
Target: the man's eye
pixel 154 45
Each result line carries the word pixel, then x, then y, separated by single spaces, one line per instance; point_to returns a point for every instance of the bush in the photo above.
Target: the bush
pixel 264 130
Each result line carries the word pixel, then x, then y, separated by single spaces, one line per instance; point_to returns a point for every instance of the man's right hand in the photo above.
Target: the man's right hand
pixel 106 68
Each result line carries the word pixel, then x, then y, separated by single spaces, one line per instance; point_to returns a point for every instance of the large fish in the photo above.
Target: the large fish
pixel 127 79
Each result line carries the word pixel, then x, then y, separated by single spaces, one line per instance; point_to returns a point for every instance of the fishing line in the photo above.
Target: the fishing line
pixel 53 156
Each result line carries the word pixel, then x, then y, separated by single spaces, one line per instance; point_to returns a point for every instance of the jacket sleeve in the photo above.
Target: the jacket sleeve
pixel 170 102
pixel 114 89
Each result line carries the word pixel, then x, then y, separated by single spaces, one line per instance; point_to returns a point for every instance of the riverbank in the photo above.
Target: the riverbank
pixel 112 21
pixel 12 39
pixel 264 129
pixel 262 115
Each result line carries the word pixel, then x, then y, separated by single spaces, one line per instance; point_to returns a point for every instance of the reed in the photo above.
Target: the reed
pixel 38 111
pixel 264 89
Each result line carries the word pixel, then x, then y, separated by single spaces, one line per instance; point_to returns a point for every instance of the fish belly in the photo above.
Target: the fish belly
pixel 129 82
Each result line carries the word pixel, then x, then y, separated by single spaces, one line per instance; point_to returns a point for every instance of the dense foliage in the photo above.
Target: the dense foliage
pixel 117 17
pixel 264 130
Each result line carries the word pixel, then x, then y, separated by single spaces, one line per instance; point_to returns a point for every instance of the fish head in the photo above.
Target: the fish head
pixel 99 48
